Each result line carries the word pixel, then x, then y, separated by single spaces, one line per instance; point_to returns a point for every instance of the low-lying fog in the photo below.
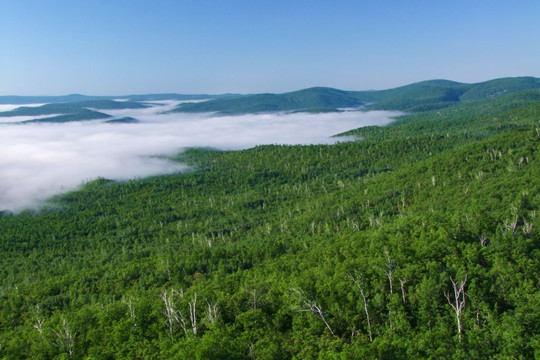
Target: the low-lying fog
pixel 38 160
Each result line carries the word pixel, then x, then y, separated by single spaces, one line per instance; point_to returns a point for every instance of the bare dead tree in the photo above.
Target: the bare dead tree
pixel 309 304
pixel 390 268
pixel 483 240
pixel 131 312
pixel 527 227
pixel 175 316
pixel 458 300
pixel 359 282
pixel 256 294
pixel 511 225
pixel 171 313
pixel 39 321
pixel 211 312
pixel 251 351
pixel 193 314
pixel 64 338
pixel 402 282
pixel 515 223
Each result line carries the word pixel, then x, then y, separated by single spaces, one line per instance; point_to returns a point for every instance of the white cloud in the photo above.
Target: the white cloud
pixel 39 160
pixel 9 107
pixel 16 119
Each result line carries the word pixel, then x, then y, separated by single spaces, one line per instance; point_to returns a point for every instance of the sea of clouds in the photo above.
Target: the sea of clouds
pixel 39 160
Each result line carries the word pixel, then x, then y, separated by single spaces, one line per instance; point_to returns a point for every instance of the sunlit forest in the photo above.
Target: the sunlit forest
pixel 417 240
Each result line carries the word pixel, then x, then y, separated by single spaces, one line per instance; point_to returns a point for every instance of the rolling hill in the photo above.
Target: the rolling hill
pixel 417 97
pixel 313 98
pixel 357 250
pixel 72 111
pixel 21 100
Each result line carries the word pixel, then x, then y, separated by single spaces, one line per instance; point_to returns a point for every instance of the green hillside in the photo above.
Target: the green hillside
pixel 71 108
pixel 499 87
pixel 172 96
pixel 436 94
pixel 386 95
pixel 21 100
pixel 470 121
pixel 345 251
pixel 307 99
pixel 80 115
pixel 72 111
pixel 418 97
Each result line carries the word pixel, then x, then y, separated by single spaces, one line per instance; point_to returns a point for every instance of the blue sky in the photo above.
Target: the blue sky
pixel 118 47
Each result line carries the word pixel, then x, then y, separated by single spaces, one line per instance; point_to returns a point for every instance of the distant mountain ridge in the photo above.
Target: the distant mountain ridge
pixel 417 97
pixel 72 111
pixel 21 100
pixel 434 94
pixel 306 99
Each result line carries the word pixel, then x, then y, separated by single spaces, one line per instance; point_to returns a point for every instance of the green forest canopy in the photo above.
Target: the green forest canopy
pixel 419 241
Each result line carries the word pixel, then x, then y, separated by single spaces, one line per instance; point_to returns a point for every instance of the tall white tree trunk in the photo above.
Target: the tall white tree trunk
pixel 312 306
pixel 457 302
pixel 359 282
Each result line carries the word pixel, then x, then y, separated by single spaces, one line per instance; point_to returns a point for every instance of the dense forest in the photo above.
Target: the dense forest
pixel 418 240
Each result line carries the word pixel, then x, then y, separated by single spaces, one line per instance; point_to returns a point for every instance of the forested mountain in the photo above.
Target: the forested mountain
pixel 72 111
pixel 21 100
pixel 418 241
pixel 500 86
pixel 432 94
pixel 418 97
pixel 307 99
pixel 422 96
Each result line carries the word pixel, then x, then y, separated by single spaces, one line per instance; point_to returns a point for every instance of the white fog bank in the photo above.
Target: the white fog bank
pixel 38 160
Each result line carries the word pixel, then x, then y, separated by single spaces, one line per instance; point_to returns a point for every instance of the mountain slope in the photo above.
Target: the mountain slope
pixel 21 100
pixel 344 251
pixel 72 111
pixel 417 97
pixel 499 87
pixel 306 99
pixel 71 107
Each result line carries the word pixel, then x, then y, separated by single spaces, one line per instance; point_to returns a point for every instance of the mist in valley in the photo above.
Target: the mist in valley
pixel 39 160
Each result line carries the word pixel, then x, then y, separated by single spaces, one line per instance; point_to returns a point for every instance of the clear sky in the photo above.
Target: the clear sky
pixel 120 47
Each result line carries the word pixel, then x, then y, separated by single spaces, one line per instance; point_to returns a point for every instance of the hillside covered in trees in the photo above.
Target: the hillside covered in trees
pixel 419 240
pixel 417 97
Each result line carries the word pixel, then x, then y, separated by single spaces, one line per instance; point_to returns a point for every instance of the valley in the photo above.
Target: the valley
pixel 418 239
